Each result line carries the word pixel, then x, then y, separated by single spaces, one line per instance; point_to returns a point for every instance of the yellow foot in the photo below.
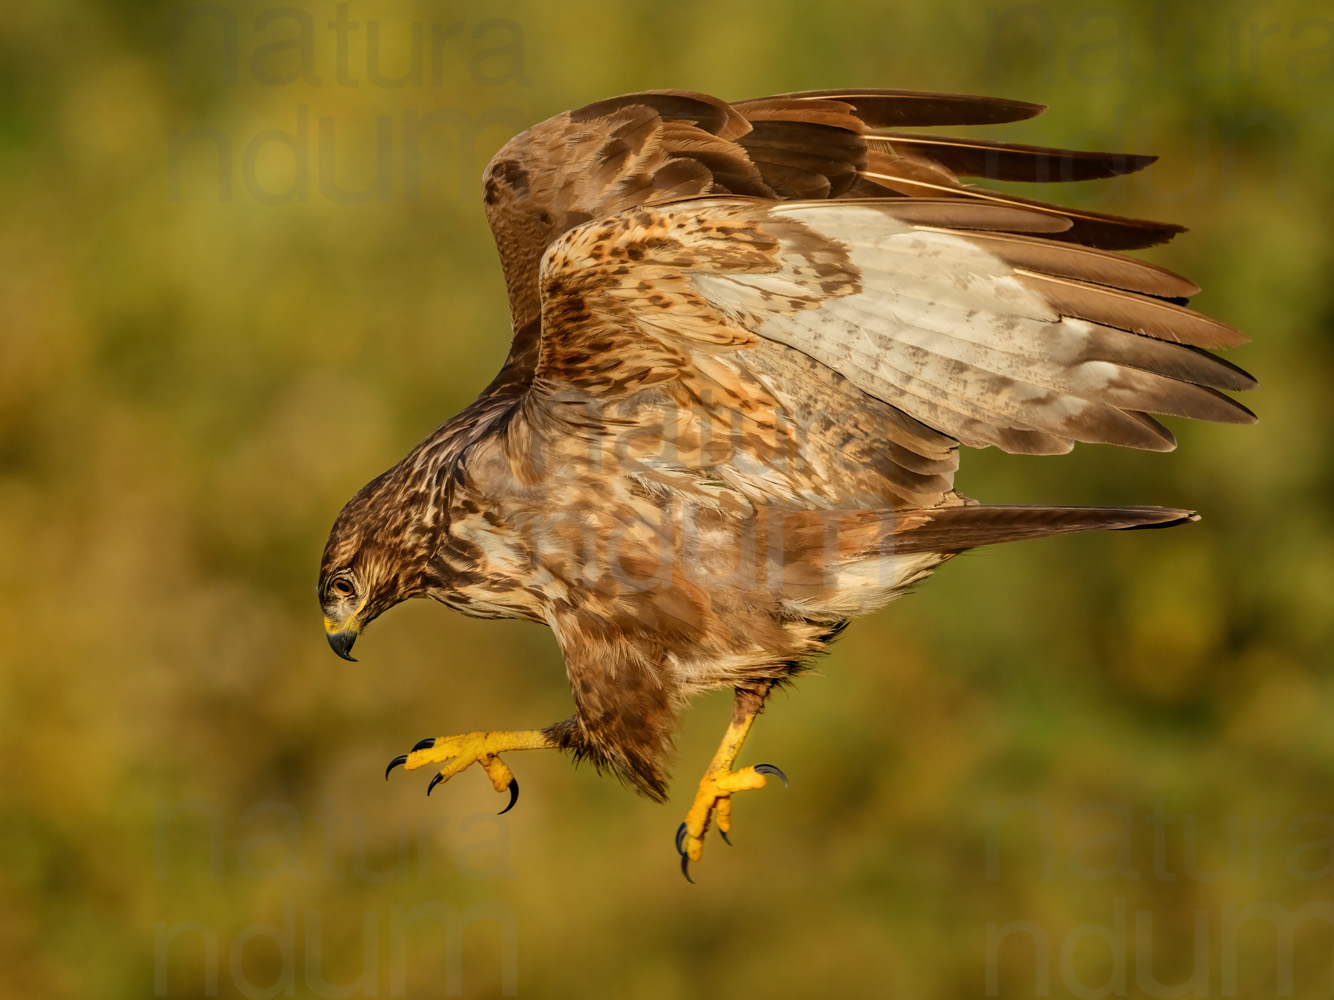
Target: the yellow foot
pixel 714 800
pixel 461 752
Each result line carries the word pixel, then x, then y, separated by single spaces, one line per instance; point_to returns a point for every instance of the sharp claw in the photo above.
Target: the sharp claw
pixel 514 796
pixel 680 836
pixel 434 781
pixel 685 867
pixel 400 759
pixel 723 833
pixel 423 744
pixel 770 769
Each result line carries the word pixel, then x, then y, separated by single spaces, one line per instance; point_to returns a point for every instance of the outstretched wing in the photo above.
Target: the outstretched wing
pixel 662 146
pixel 844 347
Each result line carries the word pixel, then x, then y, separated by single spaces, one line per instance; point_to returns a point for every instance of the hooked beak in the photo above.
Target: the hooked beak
pixel 341 639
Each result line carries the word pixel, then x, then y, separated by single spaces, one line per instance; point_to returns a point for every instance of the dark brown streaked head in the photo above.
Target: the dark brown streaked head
pixel 377 555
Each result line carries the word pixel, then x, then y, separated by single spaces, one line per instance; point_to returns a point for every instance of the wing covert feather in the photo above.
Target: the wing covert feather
pixel 927 318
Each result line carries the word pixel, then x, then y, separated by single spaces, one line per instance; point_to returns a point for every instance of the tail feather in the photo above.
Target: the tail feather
pixel 840 564
pixel 954 529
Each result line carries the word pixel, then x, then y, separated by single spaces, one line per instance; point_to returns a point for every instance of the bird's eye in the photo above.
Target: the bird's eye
pixel 342 588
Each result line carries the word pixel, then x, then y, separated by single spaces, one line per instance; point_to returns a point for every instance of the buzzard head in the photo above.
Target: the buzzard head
pixel 377 555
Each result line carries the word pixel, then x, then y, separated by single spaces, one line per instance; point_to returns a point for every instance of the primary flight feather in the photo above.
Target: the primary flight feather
pixel 749 339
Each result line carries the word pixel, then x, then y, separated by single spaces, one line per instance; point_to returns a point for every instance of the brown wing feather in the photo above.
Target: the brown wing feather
pixel 908 108
pixel 907 176
pixel 1008 161
pixel 665 145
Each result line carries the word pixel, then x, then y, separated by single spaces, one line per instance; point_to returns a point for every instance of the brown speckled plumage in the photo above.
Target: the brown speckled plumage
pixel 749 340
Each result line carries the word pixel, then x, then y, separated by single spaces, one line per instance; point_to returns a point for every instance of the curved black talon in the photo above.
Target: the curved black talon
pixel 514 796
pixel 723 833
pixel 685 858
pixel 434 781
pixel 423 744
pixel 400 759
pixel 770 769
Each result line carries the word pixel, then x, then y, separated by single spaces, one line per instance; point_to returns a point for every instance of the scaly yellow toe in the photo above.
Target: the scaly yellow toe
pixel 458 753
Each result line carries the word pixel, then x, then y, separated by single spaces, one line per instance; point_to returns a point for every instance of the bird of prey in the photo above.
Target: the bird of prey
pixel 748 341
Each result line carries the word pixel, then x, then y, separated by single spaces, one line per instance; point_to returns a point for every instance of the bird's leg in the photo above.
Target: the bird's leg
pixel 458 753
pixel 720 782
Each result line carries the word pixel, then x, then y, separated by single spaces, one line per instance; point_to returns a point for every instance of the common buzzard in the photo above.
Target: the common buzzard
pixel 749 339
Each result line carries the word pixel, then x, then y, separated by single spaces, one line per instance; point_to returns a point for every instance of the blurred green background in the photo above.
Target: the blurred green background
pixel 1084 767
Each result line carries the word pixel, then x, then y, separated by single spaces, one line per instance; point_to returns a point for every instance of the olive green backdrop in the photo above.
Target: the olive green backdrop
pixel 244 267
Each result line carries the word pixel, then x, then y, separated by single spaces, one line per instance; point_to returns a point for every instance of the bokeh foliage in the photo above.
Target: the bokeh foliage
pixel 196 371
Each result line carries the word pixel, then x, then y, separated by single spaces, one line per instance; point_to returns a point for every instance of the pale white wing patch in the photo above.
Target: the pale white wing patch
pixel 953 335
